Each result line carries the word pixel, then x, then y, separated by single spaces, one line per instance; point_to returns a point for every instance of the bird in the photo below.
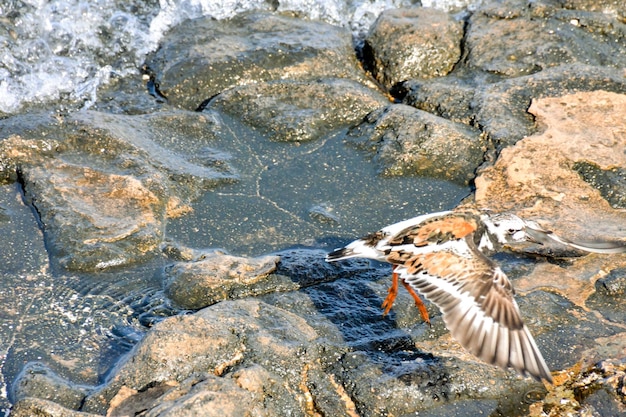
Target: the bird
pixel 444 257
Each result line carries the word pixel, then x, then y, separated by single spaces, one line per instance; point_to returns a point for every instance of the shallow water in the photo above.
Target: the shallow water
pixel 58 54
pixel 296 194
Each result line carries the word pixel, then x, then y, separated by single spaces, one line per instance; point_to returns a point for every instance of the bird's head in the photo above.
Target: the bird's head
pixel 507 228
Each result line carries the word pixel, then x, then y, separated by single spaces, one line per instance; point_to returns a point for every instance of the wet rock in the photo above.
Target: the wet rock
pixel 216 276
pixel 595 389
pixel 29 407
pixel 219 277
pixel 295 111
pixel 446 97
pixel 513 39
pixel 323 214
pixel 258 358
pixel 201 58
pixel 103 185
pixel 119 217
pixel 37 380
pixel 610 295
pixel 536 176
pixel 396 364
pixel 406 141
pixel 502 107
pixel 412 43
pixel 307 267
pixel 610 182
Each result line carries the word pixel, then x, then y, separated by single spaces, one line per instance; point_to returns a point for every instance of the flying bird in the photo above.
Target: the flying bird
pixel 444 257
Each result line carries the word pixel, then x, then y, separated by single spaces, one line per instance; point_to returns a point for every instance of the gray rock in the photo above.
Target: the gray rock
pixel 609 296
pixel 412 43
pixel 513 39
pixel 201 58
pixel 611 183
pixel 502 108
pixel 259 359
pixel 29 407
pixel 297 111
pixel 447 97
pixel 406 141
pixel 103 185
pixel 217 277
pixel 38 381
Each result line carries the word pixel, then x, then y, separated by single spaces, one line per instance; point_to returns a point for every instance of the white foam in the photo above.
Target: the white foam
pixel 61 50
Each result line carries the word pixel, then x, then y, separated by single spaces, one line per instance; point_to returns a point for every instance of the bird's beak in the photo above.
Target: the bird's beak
pixel 537 235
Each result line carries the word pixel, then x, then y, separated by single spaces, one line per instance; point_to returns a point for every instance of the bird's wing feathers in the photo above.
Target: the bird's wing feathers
pixel 476 299
pixel 434 231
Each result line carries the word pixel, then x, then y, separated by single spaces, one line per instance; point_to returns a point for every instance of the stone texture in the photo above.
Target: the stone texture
pixel 38 381
pixel 104 186
pixel 203 57
pixel 406 141
pixel 294 111
pixel 29 407
pixel 412 43
pixel 220 277
pixel 512 39
pixel 536 176
pixel 236 357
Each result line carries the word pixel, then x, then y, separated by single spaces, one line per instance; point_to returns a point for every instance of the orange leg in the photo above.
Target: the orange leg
pixel 393 292
pixel 418 303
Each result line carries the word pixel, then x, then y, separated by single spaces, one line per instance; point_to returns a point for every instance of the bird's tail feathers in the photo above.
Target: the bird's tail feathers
pixel 339 254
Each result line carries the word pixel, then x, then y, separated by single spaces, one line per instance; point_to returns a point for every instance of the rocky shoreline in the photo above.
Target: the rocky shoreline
pixel 520 103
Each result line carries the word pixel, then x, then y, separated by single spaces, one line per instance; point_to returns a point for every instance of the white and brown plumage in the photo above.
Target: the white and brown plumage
pixel 443 257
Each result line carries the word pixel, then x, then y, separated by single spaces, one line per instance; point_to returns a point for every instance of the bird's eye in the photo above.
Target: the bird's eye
pixel 511 231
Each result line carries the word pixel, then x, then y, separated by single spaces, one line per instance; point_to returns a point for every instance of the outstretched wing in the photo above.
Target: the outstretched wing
pixel 432 231
pixel 476 299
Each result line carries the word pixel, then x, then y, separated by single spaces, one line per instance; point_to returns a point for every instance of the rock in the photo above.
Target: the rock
pixel 609 295
pixel 446 97
pixel 323 214
pixel 412 43
pixel 203 57
pixel 513 39
pixel 216 276
pixel 587 390
pixel 103 186
pixel 502 107
pixel 296 111
pixel 536 176
pixel 29 407
pixel 118 217
pixel 219 277
pixel 406 141
pixel 38 381
pixel 610 182
pixel 236 357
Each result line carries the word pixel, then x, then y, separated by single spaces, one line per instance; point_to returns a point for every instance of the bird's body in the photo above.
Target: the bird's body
pixel 443 257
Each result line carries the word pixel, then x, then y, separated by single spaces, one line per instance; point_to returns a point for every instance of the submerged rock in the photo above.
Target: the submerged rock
pixel 104 184
pixel 38 381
